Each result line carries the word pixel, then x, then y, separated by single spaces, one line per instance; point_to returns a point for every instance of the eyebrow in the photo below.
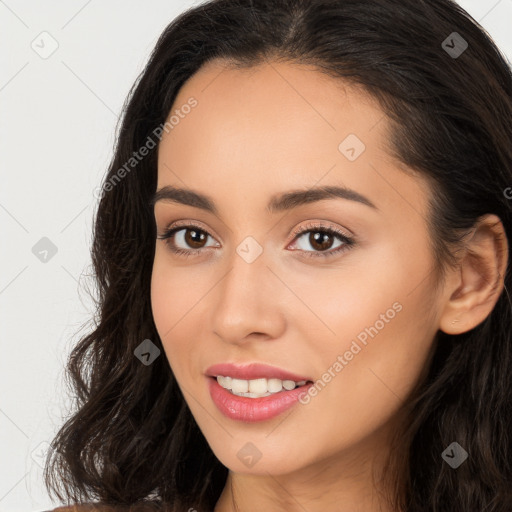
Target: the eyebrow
pixel 279 203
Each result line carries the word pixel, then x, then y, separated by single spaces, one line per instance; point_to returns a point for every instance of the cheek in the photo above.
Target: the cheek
pixel 168 295
pixel 177 299
pixel 173 291
pixel 365 383
pixel 160 293
pixel 380 326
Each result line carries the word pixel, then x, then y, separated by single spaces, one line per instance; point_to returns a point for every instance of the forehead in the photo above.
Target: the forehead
pixel 281 125
pixel 268 99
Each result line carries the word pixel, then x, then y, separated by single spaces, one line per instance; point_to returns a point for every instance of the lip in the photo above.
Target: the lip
pixel 252 410
pixel 253 371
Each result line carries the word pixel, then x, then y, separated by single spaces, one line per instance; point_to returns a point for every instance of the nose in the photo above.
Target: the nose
pixel 249 301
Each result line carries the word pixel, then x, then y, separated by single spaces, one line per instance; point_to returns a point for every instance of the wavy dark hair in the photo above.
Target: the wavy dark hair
pixel 131 437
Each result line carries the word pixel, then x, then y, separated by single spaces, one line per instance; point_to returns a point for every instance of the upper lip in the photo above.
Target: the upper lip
pixel 252 371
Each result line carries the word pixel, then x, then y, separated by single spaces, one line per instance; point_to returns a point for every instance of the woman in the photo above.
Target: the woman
pixel 301 252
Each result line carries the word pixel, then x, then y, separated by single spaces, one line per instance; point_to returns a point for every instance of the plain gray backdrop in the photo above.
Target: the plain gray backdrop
pixel 66 68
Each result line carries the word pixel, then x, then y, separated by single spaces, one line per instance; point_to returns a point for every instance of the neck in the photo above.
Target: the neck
pixel 351 482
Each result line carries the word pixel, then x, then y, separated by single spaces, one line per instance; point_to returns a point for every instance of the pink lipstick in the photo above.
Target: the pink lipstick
pixel 247 409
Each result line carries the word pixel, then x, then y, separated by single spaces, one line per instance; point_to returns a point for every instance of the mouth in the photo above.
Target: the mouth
pixel 258 388
pixel 251 407
pixel 254 392
pixel 253 371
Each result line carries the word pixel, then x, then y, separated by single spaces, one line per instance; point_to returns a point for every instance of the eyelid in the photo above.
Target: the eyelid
pixel 347 239
pixel 189 224
pixel 321 225
pixel 297 231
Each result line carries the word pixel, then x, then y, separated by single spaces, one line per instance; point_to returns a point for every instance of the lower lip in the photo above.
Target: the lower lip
pixel 251 410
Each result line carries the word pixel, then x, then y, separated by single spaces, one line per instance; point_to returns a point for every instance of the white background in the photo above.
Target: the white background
pixel 56 136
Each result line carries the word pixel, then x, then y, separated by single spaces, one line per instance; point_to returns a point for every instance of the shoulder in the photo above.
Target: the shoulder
pixel 100 507
pixel 78 508
pixel 85 507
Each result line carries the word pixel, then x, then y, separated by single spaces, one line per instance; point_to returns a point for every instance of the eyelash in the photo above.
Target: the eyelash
pixel 348 242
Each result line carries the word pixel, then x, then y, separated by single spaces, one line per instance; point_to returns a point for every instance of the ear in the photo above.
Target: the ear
pixel 475 287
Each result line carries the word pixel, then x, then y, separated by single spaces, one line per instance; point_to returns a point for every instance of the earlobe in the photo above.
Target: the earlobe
pixel 476 285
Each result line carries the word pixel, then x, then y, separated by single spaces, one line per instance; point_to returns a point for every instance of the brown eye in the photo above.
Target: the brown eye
pixel 321 240
pixel 185 240
pixel 194 238
pixel 190 240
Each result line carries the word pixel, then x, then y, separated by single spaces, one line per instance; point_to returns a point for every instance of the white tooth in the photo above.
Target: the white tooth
pixel 257 395
pixel 274 385
pixel 258 386
pixel 288 385
pixel 239 385
pixel 222 381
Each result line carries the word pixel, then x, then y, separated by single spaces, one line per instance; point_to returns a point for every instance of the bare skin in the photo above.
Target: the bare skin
pixel 255 134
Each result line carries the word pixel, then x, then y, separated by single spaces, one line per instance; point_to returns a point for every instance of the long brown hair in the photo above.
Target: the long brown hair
pixel 131 437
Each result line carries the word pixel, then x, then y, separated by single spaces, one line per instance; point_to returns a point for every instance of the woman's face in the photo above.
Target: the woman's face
pixel 359 316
